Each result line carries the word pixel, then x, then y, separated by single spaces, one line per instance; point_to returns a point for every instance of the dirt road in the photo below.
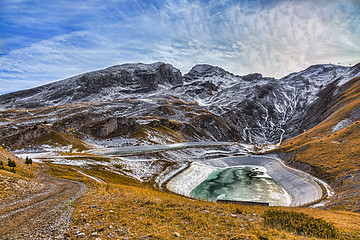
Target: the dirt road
pixel 44 215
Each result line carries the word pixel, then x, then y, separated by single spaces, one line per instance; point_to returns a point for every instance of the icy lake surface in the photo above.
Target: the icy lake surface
pixel 248 183
pixel 226 178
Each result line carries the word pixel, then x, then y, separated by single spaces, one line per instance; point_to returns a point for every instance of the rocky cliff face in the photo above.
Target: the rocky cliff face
pixel 120 126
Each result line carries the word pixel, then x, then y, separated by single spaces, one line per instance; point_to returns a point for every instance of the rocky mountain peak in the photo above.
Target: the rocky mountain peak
pixel 205 70
pixel 166 72
pixel 105 84
pixel 137 77
pixel 251 77
pixel 355 68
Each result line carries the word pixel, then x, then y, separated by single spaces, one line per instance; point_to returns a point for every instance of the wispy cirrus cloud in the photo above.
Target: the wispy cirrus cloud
pixel 54 41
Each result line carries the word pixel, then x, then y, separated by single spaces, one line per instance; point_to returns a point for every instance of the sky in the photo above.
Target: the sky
pixel 42 41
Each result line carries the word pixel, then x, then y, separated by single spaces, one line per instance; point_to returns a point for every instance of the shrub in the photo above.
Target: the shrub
pixel 11 163
pixel 300 223
pixel 28 160
pixel 12 170
pixel 2 165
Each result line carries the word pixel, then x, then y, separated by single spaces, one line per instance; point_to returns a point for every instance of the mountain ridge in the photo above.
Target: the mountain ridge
pixel 168 74
pixel 259 109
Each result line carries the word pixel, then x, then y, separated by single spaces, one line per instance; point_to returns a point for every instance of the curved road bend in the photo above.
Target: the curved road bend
pixel 44 215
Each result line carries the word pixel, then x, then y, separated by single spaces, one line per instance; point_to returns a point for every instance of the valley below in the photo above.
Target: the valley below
pixel 143 163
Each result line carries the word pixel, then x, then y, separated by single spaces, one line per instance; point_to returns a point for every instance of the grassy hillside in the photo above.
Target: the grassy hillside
pixel 126 209
pixel 21 168
pixel 18 183
pixel 331 150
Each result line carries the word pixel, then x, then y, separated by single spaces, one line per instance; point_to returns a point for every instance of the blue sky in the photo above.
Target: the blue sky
pixel 43 41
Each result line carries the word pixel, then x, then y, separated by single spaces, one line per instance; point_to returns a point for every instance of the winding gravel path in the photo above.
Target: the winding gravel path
pixel 45 215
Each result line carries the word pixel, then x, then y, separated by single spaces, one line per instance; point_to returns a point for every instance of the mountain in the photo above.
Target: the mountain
pixel 110 83
pixel 206 103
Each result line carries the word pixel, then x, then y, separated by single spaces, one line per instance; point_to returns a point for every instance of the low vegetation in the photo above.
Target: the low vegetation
pixel 12 163
pixel 28 160
pixel 16 178
pixel 2 165
pixel 300 223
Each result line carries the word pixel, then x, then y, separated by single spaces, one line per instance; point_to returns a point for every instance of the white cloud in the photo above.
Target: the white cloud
pixel 274 40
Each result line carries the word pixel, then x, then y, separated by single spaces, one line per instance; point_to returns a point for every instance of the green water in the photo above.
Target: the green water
pixel 240 183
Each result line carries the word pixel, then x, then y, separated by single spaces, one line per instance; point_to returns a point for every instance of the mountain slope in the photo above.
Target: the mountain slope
pixel 330 150
pixel 258 109
pixel 110 83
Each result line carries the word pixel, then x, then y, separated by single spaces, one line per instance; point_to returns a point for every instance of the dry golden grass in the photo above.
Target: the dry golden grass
pixel 60 139
pixel 125 208
pixel 160 134
pixel 135 212
pixel 22 182
pixel 21 168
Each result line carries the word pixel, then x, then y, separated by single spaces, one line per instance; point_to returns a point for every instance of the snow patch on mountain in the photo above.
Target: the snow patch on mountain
pixel 350 74
pixel 260 109
pixel 341 125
